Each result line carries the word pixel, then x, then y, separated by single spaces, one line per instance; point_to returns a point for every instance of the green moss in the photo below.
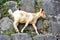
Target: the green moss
pixel 7 15
pixel 34 39
pixel 9 32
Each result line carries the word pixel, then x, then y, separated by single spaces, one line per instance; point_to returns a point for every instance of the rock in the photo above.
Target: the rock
pixel 50 37
pixel 28 5
pixel 38 37
pixel 58 17
pixel 4 37
pixel 6 24
pixel 44 37
pixel 12 5
pixel 39 24
pixel 51 7
pixel 1 32
pixel 58 37
pixel 29 27
pixel 52 18
pixel 21 36
pixel 54 27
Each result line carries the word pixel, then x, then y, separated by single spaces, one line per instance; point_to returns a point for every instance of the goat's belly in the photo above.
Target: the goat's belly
pixel 22 21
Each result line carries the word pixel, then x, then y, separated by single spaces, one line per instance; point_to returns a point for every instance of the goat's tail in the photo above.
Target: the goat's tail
pixel 10 11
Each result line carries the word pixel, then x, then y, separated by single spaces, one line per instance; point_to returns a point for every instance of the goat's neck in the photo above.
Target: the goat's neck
pixel 37 15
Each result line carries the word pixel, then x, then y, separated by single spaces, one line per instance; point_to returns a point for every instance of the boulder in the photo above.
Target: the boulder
pixel 21 36
pixel 38 37
pixel 6 24
pixel 44 37
pixel 28 5
pixel 58 37
pixel 4 37
pixel 54 28
pixel 50 37
pixel 11 5
pixel 51 7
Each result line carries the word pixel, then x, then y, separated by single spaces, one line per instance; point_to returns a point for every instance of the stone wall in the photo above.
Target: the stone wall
pixel 25 36
pixel 51 6
pixel 28 5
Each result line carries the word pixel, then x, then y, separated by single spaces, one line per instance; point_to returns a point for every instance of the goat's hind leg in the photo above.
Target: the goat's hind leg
pixel 15 26
pixel 25 26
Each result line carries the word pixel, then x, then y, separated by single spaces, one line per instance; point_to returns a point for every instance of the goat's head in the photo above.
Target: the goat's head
pixel 42 13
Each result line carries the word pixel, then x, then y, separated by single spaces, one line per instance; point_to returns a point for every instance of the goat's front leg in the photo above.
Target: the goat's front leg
pixel 25 26
pixel 35 29
pixel 15 26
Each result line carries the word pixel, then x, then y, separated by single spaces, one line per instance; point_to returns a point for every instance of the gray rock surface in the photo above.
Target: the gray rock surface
pixel 58 37
pixel 1 32
pixel 28 5
pixel 12 5
pixel 54 27
pixel 57 17
pixel 39 24
pixel 21 36
pixel 38 37
pixel 4 37
pixel 29 27
pixel 51 6
pixel 44 37
pixel 6 24
pixel 50 38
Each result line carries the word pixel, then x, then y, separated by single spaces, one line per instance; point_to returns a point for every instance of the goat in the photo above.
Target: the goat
pixel 27 18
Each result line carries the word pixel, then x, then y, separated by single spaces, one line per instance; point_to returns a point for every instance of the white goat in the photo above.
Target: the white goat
pixel 26 17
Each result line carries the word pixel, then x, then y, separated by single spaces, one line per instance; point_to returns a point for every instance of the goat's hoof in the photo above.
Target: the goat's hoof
pixel 17 32
pixel 37 33
pixel 21 31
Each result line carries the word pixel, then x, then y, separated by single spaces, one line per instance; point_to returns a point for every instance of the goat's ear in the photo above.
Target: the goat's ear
pixel 41 10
